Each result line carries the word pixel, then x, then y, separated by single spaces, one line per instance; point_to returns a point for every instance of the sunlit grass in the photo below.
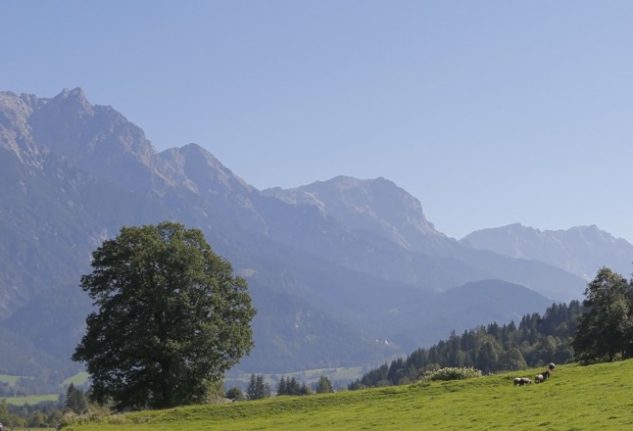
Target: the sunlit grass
pixel 575 398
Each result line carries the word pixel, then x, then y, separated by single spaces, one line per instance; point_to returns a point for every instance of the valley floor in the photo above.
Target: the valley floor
pixel 575 398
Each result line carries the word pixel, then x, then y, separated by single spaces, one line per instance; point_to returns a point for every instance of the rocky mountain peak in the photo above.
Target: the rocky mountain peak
pixel 74 100
pixel 92 138
pixel 199 171
pixel 70 107
pixel 15 132
pixel 376 205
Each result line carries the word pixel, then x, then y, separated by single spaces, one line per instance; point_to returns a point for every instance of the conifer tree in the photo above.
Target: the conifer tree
pixel 324 386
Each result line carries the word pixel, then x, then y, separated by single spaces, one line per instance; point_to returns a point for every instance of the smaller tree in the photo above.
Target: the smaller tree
pixel 235 394
pixel 512 359
pixel 37 419
pixel 76 400
pixel 604 328
pixel 488 355
pixel 282 386
pixel 324 386
pixel 304 390
pixel 257 389
pixel 293 388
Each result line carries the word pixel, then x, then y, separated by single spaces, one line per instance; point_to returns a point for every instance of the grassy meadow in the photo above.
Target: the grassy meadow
pixel 575 398
pixel 77 380
pixel 10 380
pixel 30 399
pixel 21 400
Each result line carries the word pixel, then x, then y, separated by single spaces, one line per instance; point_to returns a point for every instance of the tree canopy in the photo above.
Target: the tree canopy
pixel 605 330
pixel 170 318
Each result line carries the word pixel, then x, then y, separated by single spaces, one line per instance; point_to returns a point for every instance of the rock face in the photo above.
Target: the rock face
pixel 332 267
pixel 376 206
pixel 581 250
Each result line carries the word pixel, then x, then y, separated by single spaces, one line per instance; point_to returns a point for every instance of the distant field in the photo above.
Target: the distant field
pixel 11 380
pixel 30 399
pixel 575 399
pixel 77 380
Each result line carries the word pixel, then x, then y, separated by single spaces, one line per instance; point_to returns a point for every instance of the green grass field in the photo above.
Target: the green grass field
pixel 11 380
pixel 30 399
pixel 77 380
pixel 575 398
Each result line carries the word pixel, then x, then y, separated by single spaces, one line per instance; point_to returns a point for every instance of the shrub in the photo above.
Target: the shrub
pixel 450 373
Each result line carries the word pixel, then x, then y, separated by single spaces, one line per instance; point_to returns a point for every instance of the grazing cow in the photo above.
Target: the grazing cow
pixel 522 381
pixel 539 378
pixel 545 374
pixel 551 366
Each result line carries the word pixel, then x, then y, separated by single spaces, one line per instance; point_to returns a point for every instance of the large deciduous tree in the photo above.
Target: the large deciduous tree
pixel 170 318
pixel 605 329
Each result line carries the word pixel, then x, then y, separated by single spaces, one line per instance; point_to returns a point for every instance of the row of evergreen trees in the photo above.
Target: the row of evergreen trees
pixel 290 386
pixel 258 389
pixel 536 341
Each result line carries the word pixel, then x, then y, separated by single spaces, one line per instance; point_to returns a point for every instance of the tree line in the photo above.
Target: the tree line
pixel 257 389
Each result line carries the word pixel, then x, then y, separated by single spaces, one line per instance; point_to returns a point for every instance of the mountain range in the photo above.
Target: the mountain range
pixel 580 250
pixel 343 272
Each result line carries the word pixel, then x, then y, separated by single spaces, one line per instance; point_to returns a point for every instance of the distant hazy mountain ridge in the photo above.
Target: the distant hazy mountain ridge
pixel 580 250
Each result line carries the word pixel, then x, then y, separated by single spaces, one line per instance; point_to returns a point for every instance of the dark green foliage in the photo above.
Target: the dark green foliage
pixel 290 386
pixel 324 386
pixel 282 386
pixel 536 341
pixel 257 389
pixel 235 394
pixel 451 373
pixel 605 331
pixel 170 318
pixel 304 390
pixel 76 400
pixel 5 417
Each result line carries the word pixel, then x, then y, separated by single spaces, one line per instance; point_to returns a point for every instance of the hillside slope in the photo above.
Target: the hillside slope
pixel 575 398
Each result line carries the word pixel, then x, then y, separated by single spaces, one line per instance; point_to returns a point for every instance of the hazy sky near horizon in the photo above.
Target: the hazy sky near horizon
pixel 489 112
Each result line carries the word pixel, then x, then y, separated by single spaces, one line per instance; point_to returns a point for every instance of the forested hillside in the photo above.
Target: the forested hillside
pixel 537 340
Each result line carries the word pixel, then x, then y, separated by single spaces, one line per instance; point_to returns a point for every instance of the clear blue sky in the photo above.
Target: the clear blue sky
pixel 490 112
